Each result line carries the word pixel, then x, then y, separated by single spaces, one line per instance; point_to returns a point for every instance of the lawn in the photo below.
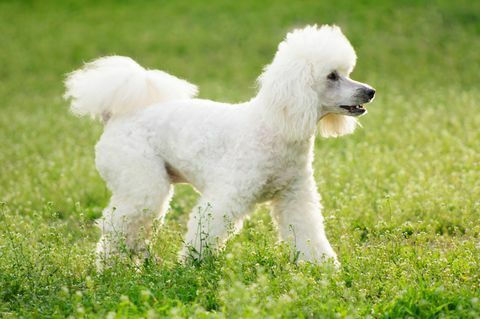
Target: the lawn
pixel 401 196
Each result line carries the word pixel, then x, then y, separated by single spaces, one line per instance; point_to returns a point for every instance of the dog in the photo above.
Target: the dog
pixel 156 134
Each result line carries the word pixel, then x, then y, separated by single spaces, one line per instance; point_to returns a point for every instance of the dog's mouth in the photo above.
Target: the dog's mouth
pixel 354 109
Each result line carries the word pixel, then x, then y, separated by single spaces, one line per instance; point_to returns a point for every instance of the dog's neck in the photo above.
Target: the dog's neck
pixel 287 120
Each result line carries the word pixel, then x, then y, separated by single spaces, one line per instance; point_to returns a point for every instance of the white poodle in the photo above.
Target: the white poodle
pixel 156 134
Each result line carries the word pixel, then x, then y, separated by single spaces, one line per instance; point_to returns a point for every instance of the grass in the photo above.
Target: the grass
pixel 401 195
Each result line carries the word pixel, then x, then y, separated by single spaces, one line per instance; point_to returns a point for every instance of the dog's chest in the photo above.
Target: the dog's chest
pixel 284 165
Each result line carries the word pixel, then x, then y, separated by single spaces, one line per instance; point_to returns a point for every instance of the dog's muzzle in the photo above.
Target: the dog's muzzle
pixel 366 95
pixel 354 109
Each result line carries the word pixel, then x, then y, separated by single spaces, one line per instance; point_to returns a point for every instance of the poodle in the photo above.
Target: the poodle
pixel 157 134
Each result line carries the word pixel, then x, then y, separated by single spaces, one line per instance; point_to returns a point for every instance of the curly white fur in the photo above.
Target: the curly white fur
pixel 156 135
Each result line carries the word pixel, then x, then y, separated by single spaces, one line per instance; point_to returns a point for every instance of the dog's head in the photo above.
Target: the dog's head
pixel 308 83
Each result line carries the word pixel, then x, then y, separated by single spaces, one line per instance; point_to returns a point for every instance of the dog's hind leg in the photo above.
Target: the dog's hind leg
pixel 141 191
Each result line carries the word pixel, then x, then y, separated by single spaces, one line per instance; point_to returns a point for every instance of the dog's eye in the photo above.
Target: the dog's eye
pixel 333 76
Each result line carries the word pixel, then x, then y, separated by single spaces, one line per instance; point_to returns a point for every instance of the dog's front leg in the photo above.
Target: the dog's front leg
pixel 211 221
pixel 297 213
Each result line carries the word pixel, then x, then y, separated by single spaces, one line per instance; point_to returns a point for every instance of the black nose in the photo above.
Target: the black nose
pixel 370 93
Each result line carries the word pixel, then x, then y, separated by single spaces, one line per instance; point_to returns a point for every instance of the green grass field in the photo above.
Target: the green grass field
pixel 401 195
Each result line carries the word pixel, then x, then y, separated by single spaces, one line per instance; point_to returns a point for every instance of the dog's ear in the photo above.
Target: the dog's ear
pixel 334 125
pixel 286 89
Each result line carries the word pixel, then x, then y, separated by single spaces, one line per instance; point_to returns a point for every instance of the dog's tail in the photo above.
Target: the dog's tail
pixel 113 86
